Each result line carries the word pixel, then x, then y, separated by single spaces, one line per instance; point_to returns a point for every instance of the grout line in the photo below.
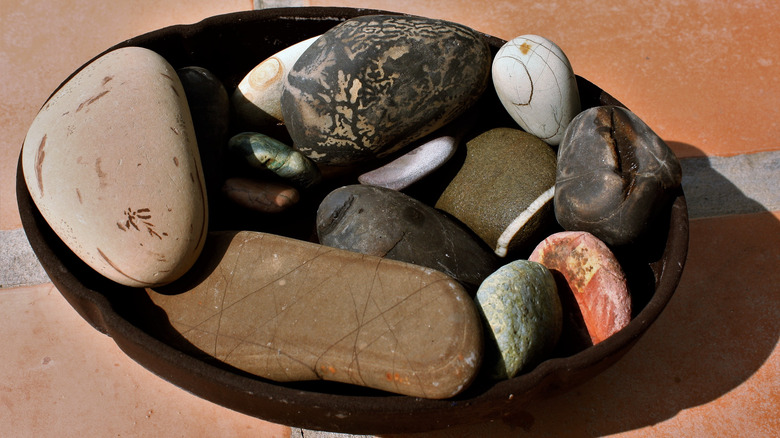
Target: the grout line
pixel 714 186
pixel 20 265
pixel 306 433
pixel 722 186
pixel 265 4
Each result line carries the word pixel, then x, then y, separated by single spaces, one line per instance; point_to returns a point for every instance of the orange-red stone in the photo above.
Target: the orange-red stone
pixel 586 268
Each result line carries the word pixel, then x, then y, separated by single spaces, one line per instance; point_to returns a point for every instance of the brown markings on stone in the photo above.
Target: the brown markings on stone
pixel 175 91
pixel 39 163
pixel 524 48
pixel 175 130
pixel 107 79
pixel 176 161
pixel 141 216
pixel 101 175
pixel 116 268
pixel 91 100
pixel 78 193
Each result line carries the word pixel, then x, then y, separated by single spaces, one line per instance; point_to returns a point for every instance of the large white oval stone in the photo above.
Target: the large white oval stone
pixel 111 162
pixel 536 84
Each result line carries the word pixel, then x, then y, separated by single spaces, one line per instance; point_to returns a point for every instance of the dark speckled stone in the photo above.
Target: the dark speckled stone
pixel 387 223
pixel 614 175
pixel 374 84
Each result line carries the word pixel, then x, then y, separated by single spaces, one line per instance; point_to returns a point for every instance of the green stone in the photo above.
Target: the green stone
pixel 522 313
pixel 263 152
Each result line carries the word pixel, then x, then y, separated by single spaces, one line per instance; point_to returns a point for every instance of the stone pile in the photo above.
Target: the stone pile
pixel 420 269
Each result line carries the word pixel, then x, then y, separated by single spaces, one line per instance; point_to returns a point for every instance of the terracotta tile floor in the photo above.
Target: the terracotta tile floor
pixel 704 75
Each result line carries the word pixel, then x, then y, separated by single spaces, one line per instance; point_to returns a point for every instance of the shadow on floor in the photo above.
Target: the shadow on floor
pixel 719 328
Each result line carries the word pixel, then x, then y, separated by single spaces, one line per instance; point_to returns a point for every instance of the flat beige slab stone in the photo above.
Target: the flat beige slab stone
pixel 290 310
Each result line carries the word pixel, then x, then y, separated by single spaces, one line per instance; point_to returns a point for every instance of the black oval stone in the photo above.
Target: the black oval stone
pixel 614 175
pixel 210 109
pixel 374 84
pixel 387 223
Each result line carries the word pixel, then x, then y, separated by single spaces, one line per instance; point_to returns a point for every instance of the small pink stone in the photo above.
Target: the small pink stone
pixel 585 267
pixel 263 196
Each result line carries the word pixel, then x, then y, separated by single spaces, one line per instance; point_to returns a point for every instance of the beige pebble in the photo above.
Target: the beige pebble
pixel 112 164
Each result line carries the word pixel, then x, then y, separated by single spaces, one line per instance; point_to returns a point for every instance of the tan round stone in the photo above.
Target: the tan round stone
pixel 111 162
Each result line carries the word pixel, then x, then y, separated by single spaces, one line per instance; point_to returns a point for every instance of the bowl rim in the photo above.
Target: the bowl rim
pixel 338 412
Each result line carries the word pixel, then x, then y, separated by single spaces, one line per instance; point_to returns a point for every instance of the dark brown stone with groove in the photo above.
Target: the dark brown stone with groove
pixel 614 175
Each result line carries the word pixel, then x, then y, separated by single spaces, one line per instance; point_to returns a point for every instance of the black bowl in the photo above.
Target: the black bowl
pixel 230 45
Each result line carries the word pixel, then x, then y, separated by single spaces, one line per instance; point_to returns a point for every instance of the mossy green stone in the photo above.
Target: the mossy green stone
pixel 504 189
pixel 522 312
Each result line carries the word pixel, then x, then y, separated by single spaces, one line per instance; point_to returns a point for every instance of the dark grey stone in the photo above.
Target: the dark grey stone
pixel 387 223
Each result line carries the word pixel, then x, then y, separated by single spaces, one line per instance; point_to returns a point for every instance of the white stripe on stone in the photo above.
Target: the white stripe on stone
pixel 519 221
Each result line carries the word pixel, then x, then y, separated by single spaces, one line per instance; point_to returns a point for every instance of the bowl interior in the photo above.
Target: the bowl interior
pixel 230 45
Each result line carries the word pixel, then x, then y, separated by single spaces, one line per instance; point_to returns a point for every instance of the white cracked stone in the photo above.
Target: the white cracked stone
pixel 536 84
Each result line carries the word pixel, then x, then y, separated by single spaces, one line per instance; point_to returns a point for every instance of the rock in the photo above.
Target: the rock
pixel 210 109
pixel 374 84
pixel 614 175
pixel 535 83
pixel 585 268
pixel 504 189
pixel 412 166
pixel 386 223
pixel 522 311
pixel 111 161
pixel 256 101
pixel 263 152
pixel 262 196
pixel 290 310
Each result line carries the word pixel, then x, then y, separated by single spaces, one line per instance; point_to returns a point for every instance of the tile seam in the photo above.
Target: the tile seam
pixel 713 186
pixel 265 4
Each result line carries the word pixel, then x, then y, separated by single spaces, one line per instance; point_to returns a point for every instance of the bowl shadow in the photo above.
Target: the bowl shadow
pixel 718 330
